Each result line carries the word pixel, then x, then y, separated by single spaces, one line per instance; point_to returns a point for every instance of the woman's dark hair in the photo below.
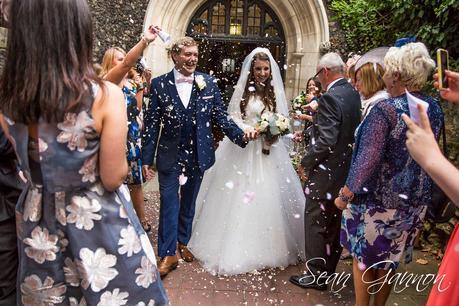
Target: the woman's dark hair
pixel 317 84
pixel 265 91
pixel 48 68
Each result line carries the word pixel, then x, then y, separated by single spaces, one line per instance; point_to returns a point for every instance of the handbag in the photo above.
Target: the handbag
pixel 441 209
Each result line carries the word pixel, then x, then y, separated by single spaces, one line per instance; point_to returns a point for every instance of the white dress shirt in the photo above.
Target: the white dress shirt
pixel 183 88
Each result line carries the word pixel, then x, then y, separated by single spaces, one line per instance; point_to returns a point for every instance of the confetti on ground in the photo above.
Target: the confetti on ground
pixel 422 261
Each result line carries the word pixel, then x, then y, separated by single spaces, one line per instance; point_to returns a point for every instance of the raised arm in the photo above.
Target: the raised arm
pixel 117 73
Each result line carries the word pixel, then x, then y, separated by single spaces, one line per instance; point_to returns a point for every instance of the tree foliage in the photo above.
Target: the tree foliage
pixel 372 23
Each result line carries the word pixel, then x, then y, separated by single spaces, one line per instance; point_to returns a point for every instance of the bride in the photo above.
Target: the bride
pixel 249 213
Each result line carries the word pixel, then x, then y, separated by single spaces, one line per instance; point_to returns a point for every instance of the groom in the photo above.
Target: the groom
pixel 184 104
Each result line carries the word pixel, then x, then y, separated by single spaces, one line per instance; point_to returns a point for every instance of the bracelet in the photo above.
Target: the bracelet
pixel 343 197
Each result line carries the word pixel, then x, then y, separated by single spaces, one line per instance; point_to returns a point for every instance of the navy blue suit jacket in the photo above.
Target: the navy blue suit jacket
pixel 161 137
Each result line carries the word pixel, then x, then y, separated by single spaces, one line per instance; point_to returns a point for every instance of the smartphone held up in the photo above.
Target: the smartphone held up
pixel 442 64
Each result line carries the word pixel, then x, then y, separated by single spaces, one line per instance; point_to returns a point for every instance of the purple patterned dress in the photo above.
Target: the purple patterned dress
pixel 391 190
pixel 79 244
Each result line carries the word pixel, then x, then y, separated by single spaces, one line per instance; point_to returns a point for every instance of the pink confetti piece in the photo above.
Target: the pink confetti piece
pixel 248 197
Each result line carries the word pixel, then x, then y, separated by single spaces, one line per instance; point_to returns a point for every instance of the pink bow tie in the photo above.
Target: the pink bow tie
pixel 188 80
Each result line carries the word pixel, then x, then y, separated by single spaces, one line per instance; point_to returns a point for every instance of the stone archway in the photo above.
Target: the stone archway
pixel 305 23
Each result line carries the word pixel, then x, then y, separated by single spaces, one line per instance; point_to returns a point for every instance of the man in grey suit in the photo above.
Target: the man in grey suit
pixel 324 168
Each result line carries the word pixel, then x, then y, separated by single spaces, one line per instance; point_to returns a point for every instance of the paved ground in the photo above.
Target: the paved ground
pixel 191 285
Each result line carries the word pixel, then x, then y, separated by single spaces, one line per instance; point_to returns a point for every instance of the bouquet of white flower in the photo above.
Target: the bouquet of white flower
pixel 298 103
pixel 272 126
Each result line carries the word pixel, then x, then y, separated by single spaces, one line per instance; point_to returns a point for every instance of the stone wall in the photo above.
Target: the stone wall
pixel 117 23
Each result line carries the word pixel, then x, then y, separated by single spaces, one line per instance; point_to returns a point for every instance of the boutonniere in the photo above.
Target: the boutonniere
pixel 199 79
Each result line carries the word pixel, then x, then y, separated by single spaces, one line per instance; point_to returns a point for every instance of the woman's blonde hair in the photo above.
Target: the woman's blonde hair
pixel 412 61
pixel 107 60
pixel 370 79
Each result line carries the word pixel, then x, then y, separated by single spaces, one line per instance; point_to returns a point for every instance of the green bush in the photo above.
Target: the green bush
pixel 372 23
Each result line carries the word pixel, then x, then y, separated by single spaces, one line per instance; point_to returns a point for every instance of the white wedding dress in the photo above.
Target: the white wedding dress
pixel 250 208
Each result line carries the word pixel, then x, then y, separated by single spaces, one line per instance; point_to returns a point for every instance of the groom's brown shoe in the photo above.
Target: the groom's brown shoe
pixel 167 264
pixel 185 253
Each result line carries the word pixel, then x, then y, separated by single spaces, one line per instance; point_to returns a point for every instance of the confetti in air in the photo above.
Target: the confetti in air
pixel 361 266
pixel 229 185
pixel 296 216
pixel 182 179
pixel 248 197
pixel 327 249
pixel 251 88
pixel 307 191
pixel 403 196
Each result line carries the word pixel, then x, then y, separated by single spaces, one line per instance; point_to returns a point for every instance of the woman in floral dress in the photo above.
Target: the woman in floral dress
pixel 387 193
pixel 80 242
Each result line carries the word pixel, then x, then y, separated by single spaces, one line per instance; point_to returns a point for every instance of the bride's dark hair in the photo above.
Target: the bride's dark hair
pixel 265 91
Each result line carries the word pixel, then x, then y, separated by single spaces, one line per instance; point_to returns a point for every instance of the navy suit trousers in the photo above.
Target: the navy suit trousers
pixel 177 207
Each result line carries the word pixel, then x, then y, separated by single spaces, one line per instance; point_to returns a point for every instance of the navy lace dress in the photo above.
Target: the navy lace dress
pixel 391 190
pixel 79 244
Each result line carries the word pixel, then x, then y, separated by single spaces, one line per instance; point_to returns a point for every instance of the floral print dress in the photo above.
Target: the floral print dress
pixel 391 190
pixel 79 244
pixel 133 146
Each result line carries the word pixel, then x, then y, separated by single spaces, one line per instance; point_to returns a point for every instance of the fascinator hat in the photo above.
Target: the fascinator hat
pixel 404 40
pixel 374 56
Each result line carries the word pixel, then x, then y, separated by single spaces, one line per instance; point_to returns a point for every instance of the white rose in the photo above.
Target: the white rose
pixel 265 116
pixel 199 79
pixel 264 125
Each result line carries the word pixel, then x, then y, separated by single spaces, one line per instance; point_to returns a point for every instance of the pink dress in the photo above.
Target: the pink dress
pixel 449 268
